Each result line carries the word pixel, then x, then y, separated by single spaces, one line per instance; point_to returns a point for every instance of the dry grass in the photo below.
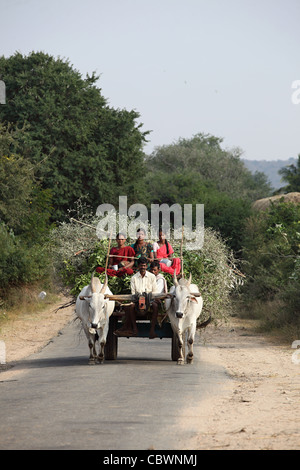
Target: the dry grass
pixel 269 319
pixel 23 302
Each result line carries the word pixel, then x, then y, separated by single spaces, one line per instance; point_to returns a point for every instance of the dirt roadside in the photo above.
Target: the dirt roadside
pixel 258 409
pixel 30 332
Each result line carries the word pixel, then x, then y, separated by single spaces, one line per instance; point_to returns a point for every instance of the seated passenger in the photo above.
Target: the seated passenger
pixel 163 251
pixel 143 282
pixel 142 249
pixel 162 287
pixel 120 259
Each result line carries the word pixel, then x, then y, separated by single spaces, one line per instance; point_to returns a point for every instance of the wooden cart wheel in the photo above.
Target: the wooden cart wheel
pixel 111 347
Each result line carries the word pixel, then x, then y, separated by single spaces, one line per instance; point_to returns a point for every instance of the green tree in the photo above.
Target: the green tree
pixel 291 175
pixel 24 206
pixel 203 156
pixel 271 263
pixel 80 146
pixel 199 171
pixel 16 179
pixel 271 246
pixel 25 210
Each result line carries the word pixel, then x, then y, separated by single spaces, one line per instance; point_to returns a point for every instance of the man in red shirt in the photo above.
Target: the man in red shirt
pixel 121 259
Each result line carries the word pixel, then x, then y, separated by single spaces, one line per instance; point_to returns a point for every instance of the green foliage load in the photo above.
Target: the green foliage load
pixel 77 252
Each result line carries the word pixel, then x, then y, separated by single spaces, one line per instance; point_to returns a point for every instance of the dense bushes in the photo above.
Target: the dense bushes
pixel 21 262
pixel 25 209
pixel 198 171
pixel 271 261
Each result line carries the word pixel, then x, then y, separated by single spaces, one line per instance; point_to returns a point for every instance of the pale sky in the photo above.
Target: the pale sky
pixel 222 67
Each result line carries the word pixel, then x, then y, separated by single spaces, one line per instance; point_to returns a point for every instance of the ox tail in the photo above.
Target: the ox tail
pixel 205 323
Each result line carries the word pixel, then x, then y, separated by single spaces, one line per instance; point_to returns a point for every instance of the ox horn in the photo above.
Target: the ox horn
pixel 104 285
pixel 190 280
pixel 175 279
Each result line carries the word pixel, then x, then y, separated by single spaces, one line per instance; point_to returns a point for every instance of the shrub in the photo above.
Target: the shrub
pixel 271 246
pixel 271 262
pixel 19 262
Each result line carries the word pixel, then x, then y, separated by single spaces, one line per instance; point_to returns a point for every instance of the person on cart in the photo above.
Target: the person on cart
pixel 142 284
pixel 161 282
pixel 142 248
pixel 121 259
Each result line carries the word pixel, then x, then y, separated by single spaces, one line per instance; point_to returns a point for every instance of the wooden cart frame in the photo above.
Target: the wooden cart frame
pixel 162 331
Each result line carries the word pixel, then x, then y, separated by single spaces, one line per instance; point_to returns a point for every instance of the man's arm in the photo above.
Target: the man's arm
pixel 154 285
pixel 160 285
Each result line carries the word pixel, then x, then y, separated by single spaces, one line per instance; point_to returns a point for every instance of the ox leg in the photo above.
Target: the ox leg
pixel 190 344
pixel 91 343
pixel 180 359
pixel 100 357
pixel 93 353
pixel 102 343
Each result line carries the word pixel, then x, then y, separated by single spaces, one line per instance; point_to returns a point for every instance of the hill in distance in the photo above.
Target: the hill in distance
pixel 270 168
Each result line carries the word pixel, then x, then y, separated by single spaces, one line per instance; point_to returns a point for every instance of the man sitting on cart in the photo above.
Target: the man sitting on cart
pixel 143 282
pixel 161 282
pixel 121 259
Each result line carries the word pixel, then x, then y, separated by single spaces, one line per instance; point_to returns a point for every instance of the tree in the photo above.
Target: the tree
pixel 78 144
pixel 25 210
pixel 199 171
pixel 271 258
pixel 271 246
pixel 25 207
pixel 203 156
pixel 291 175
pixel 16 179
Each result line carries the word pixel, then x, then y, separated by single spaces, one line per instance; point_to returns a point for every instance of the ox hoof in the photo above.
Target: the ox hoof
pixel 189 359
pixel 180 362
pixel 100 360
pixel 92 361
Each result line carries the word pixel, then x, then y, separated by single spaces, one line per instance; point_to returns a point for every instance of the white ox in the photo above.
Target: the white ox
pixel 94 310
pixel 183 308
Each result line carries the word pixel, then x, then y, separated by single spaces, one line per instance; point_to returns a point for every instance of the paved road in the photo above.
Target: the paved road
pixel 138 402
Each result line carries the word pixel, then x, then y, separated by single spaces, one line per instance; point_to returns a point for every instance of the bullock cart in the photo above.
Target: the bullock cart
pixel 163 328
